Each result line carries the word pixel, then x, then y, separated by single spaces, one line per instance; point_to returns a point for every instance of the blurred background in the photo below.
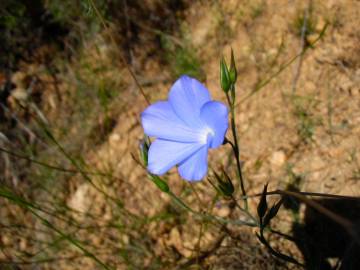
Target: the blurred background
pixel 72 192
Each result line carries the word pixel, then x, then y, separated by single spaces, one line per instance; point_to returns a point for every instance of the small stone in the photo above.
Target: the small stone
pixel 23 244
pixel 19 94
pixel 223 211
pixel 278 158
pixel 6 240
pixel 114 138
pixel 175 238
pixel 80 200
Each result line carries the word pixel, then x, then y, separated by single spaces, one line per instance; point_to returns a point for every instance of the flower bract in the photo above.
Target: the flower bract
pixel 185 127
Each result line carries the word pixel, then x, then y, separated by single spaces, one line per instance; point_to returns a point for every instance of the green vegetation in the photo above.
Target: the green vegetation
pixel 307 121
pixel 304 24
pixel 182 57
pixel 74 193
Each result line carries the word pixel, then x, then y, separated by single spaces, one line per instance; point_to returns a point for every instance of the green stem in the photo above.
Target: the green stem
pixel 245 211
pixel 34 210
pixel 235 145
pixel 210 217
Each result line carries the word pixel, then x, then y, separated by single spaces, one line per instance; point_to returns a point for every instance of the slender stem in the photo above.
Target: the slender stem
pixel 312 194
pixel 50 166
pixel 265 82
pixel 235 145
pixel 196 195
pixel 34 210
pixel 276 253
pixel 132 74
pixel 284 235
pixel 209 217
pixel 245 211
pixel 197 248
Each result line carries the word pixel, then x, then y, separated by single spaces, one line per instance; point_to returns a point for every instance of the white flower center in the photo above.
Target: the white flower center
pixel 206 134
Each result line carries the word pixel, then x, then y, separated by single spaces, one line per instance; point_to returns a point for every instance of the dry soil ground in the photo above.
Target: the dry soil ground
pixel 301 129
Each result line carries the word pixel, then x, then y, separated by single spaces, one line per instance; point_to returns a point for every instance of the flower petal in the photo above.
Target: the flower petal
pixel 215 115
pixel 165 154
pixel 159 120
pixel 195 167
pixel 187 96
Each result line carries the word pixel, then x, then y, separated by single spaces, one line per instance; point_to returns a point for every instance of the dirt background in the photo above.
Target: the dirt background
pixel 301 130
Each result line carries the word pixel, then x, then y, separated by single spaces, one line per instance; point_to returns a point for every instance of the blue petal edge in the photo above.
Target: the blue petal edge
pixel 215 115
pixel 163 154
pixel 195 167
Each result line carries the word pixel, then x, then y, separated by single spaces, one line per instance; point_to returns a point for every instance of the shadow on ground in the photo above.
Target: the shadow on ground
pixel 320 238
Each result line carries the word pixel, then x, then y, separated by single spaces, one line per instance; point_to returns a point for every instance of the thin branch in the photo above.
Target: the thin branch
pixel 265 82
pixel 132 74
pixel 302 48
pixel 203 255
pixel 20 156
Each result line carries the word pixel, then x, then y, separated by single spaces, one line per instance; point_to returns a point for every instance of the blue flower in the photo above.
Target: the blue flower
pixel 185 127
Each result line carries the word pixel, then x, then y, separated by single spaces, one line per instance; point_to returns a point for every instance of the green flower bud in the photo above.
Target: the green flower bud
pixel 144 149
pixel 232 71
pixel 225 185
pixel 161 184
pixel 224 76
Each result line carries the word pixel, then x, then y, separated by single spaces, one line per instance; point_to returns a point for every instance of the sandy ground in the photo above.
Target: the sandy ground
pixel 302 128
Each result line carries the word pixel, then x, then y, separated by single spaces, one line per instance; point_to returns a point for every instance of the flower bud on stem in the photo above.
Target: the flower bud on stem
pixel 231 79
pixel 232 71
pixel 225 81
